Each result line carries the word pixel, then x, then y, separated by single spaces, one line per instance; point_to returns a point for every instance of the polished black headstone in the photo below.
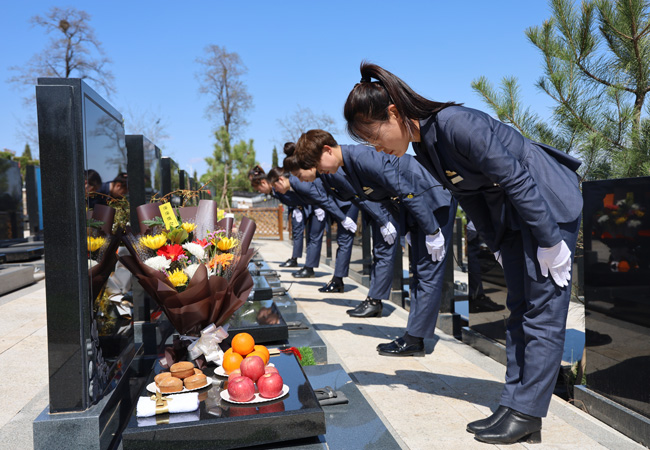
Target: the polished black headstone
pixel 617 291
pixel 78 131
pixel 11 201
pixel 144 174
pixel 34 201
pixel 220 424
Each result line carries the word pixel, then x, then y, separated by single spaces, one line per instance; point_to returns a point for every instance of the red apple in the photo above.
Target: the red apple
pixel 270 385
pixel 271 408
pixel 271 369
pixel 234 373
pixel 252 367
pixel 241 389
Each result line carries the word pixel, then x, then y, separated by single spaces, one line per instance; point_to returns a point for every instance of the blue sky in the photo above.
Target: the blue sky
pixel 303 53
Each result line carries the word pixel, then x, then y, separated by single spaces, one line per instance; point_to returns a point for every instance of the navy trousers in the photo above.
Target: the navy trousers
pixel 428 276
pixel 297 234
pixel 383 261
pixel 345 240
pixel 315 230
pixel 537 324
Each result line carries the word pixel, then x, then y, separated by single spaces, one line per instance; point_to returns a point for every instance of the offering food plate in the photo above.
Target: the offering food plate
pixel 151 387
pixel 257 399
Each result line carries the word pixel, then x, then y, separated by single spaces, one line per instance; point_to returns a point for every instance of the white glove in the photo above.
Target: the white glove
pixel 497 256
pixel 320 214
pixel 407 236
pixel 349 225
pixel 557 260
pixel 436 246
pixel 297 214
pixel 389 233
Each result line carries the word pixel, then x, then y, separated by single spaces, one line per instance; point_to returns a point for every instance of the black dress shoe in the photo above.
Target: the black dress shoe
pixel 291 262
pixel 513 427
pixel 305 272
pixel 333 286
pixel 368 308
pixel 399 347
pixel 484 424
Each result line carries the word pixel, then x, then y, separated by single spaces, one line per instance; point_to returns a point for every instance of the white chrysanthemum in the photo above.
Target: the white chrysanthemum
pixel 603 218
pixel 158 263
pixel 621 202
pixel 634 223
pixel 190 270
pixel 195 250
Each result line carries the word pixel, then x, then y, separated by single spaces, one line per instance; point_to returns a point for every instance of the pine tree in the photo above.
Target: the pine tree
pixel 27 153
pixel 274 157
pixel 597 71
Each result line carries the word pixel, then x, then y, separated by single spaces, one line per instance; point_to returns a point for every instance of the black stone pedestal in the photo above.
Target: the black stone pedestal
pixel 224 425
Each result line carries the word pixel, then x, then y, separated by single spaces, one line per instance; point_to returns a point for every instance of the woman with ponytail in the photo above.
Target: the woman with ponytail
pixel 524 199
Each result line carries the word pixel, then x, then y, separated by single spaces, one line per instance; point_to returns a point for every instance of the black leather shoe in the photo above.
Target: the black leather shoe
pixel 291 262
pixel 513 427
pixel 305 272
pixel 368 308
pixel 488 422
pixel 332 286
pixel 399 347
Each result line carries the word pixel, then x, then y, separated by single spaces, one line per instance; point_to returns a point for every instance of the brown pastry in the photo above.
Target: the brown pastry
pixel 182 369
pixel 170 384
pixel 161 376
pixel 195 381
pixel 197 371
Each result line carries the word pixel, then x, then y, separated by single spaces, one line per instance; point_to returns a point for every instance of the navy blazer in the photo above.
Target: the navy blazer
pixel 338 185
pixel 290 199
pixel 315 194
pixel 384 178
pixel 500 177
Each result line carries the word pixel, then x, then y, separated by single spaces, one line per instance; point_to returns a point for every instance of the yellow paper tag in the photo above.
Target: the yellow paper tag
pixel 168 216
pixel 221 213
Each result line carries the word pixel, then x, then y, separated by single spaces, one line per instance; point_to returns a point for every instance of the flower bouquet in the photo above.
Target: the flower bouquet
pixel 193 265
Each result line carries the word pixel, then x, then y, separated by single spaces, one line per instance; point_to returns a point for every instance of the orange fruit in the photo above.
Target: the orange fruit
pixel 258 353
pixel 243 343
pixel 262 349
pixel 231 362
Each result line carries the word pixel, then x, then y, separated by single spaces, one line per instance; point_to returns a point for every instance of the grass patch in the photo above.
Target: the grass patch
pixel 307 356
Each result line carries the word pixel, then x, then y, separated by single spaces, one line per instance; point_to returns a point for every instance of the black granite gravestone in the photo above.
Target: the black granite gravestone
pixel 34 201
pixel 144 177
pixel 92 357
pixel 11 201
pixel 617 302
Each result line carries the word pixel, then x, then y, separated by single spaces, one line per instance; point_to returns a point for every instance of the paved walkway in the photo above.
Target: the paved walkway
pixel 426 402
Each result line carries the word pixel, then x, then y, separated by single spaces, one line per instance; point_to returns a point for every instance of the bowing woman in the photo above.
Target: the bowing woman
pixel 296 211
pixel 524 199
pixel 384 236
pixel 401 185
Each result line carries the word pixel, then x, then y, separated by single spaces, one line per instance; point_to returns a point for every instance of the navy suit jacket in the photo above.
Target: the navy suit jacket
pixel 290 199
pixel 384 178
pixel 315 194
pixel 338 185
pixel 501 178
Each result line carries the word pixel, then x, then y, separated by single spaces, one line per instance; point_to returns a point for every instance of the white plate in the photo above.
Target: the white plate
pixel 151 387
pixel 257 399
pixel 222 373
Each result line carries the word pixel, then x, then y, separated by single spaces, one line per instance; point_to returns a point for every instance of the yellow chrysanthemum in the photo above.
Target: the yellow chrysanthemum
pixel 226 244
pixel 639 213
pixel 188 226
pixel 95 243
pixel 178 278
pixel 621 220
pixel 153 242
pixel 223 259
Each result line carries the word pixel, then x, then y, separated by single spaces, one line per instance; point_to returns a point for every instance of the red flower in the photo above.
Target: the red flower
pixel 202 242
pixel 171 251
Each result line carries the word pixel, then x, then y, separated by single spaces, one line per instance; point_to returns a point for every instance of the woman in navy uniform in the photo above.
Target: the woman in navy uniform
pixel 296 211
pixel 524 199
pixel 345 213
pixel 384 235
pixel 397 183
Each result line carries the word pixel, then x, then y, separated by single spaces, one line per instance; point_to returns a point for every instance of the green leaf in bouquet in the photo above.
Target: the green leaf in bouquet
pixel 92 223
pixel 156 221
pixel 177 235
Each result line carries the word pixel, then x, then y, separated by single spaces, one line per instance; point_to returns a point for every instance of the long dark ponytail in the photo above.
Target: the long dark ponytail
pixel 368 102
